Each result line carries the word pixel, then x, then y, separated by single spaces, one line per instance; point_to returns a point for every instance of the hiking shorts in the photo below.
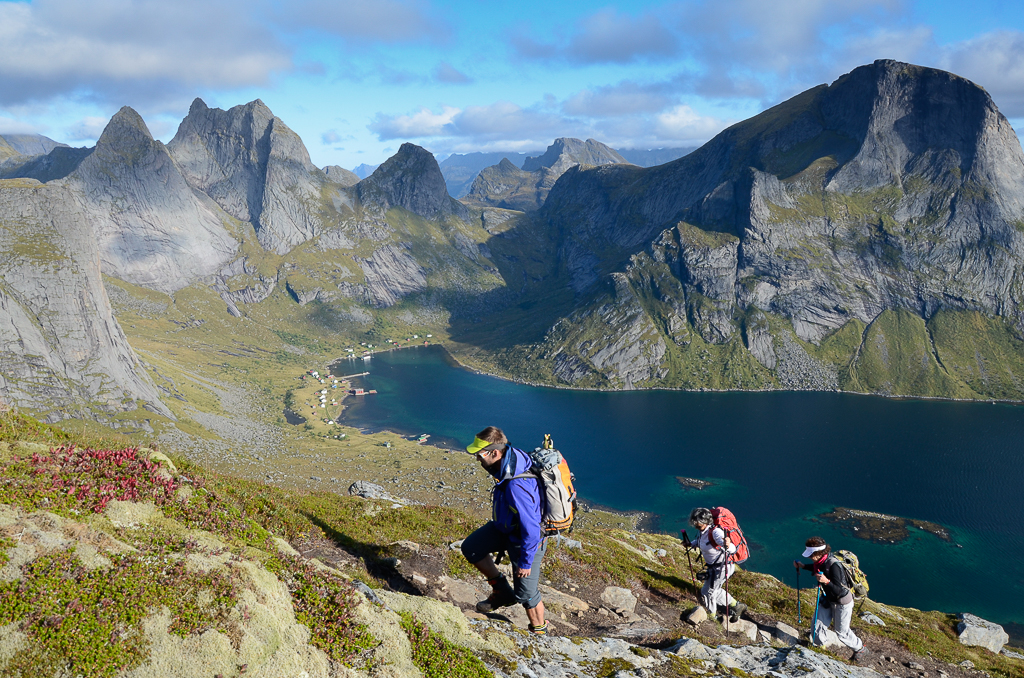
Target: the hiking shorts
pixel 489 539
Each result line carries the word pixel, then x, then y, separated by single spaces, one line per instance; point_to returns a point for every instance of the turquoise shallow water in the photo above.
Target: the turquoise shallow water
pixel 778 461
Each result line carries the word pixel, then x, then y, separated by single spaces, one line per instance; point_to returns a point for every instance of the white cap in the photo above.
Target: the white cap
pixel 811 550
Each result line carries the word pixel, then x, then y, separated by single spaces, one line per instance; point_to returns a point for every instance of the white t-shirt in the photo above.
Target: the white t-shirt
pixel 713 554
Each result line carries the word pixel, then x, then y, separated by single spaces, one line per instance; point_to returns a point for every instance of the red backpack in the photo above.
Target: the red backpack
pixel 724 519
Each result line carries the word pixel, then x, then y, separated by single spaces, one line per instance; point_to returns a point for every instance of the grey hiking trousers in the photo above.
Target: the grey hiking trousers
pixel 840 614
pixel 712 594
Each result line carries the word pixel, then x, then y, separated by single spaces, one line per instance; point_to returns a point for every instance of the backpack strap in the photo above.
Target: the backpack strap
pixel 832 558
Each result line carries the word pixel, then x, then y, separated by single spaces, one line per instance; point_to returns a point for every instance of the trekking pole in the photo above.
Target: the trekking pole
pixel 798 596
pixel 725 573
pixel 814 623
pixel 689 562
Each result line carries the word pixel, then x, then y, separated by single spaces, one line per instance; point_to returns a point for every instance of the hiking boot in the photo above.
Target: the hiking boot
pixel 736 612
pixel 861 655
pixel 541 630
pixel 502 595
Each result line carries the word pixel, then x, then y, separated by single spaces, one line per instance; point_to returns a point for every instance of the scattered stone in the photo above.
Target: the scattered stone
pixel 419 579
pixel 367 591
pixel 871 619
pixel 967 664
pixel 698 616
pixel 977 632
pixel 743 628
pixel 556 599
pixel 688 647
pixel 915 666
pixel 1012 655
pixel 367 490
pixel 408 547
pixel 456 545
pixel 785 633
pixel 764 636
pixel 161 458
pixel 619 599
pixel 661 553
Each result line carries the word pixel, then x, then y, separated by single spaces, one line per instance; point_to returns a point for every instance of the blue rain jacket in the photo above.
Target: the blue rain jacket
pixel 517 506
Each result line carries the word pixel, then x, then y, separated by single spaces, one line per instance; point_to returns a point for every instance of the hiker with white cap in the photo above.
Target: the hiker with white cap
pixel 515 528
pixel 836 607
pixel 716 547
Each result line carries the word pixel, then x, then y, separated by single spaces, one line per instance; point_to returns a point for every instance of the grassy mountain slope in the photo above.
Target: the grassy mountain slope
pixel 123 562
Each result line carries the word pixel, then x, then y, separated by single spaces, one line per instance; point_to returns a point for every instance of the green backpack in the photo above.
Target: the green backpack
pixel 858 580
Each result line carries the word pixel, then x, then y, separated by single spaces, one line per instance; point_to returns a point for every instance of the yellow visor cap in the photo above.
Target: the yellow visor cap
pixel 476 445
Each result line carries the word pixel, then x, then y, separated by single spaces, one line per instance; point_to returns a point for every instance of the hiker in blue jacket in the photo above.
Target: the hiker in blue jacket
pixel 514 528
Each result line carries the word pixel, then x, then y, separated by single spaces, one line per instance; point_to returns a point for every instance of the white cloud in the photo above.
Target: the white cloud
pixel 156 54
pixel 624 98
pixel 87 129
pixel 507 126
pixel 606 36
pixel 996 62
pixel 423 123
pixel 683 125
pixel 12 126
pixel 109 49
pixel 362 21
pixel 330 137
pixel 609 36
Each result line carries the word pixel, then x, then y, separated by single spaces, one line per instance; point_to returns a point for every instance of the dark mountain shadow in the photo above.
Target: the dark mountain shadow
pixel 375 557
pixel 57 164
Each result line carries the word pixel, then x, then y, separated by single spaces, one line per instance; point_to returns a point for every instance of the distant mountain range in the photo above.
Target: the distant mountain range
pixel 866 235
pixel 460 170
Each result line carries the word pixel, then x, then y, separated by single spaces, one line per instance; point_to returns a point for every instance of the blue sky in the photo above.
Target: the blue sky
pixel 355 79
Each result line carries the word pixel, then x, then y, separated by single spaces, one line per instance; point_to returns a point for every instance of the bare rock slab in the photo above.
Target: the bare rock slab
pixel 979 632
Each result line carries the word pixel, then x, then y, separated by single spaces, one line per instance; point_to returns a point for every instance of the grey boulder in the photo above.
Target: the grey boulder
pixel 978 632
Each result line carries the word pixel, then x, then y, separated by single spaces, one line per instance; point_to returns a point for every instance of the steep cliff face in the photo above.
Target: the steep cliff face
pixel 412 180
pixel 895 188
pixel 61 349
pixel 151 228
pixel 255 168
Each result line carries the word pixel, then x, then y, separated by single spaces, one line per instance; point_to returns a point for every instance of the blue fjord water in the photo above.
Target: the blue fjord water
pixel 778 460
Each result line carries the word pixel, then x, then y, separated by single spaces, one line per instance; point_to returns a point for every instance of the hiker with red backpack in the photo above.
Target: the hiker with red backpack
pixel 835 597
pixel 515 528
pixel 722 545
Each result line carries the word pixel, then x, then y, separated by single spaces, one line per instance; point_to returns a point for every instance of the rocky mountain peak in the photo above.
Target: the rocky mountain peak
pixel 410 179
pixel 125 127
pixel 506 166
pixel 565 152
pixel 341 176
pixel 254 167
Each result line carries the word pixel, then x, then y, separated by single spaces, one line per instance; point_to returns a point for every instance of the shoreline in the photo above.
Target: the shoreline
pixel 525 382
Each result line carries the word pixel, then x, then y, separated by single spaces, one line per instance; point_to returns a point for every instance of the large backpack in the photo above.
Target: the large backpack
pixel 856 579
pixel 556 484
pixel 724 519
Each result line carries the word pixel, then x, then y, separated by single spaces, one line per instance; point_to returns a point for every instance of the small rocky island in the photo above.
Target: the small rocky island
pixel 693 483
pixel 880 527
